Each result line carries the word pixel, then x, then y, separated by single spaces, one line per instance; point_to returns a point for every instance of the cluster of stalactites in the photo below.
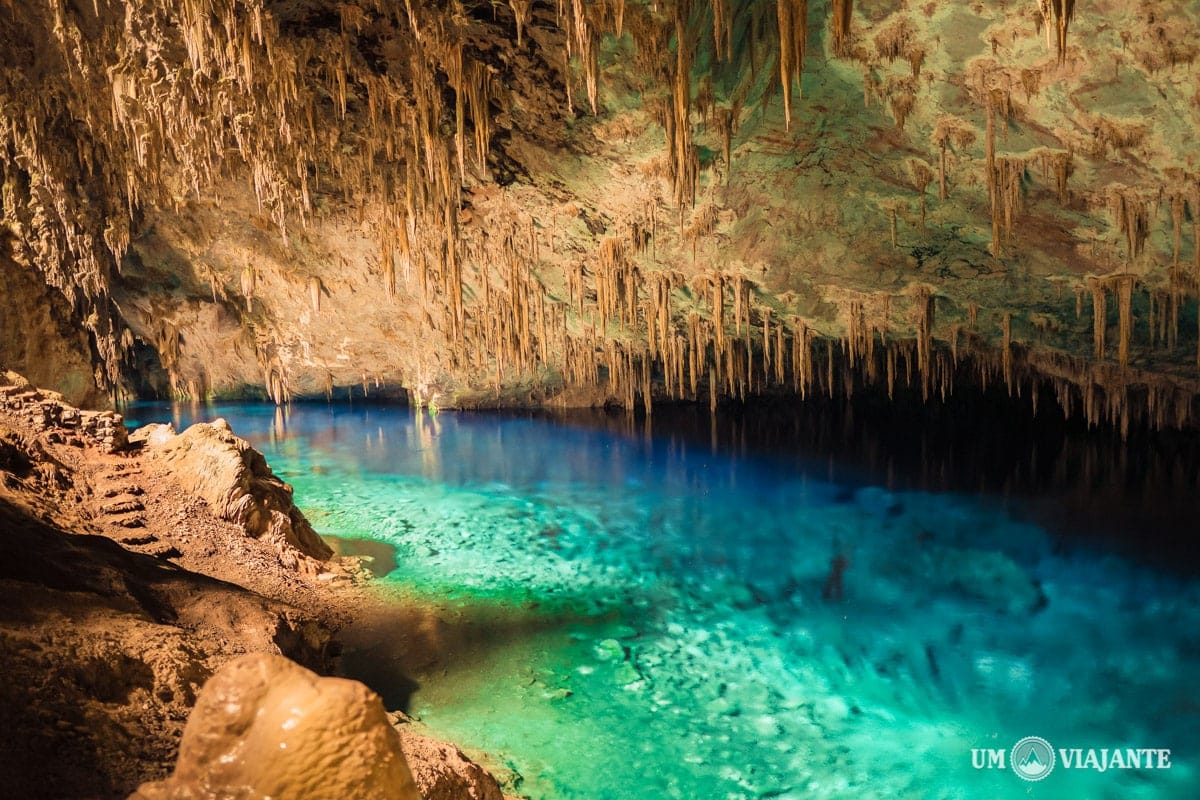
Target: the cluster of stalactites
pixel 1130 210
pixel 170 97
pixel 1164 307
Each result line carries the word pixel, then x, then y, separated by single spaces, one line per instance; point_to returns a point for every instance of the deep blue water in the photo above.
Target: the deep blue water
pixel 629 611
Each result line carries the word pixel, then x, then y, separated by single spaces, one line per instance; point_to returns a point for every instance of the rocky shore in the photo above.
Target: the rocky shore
pixel 136 567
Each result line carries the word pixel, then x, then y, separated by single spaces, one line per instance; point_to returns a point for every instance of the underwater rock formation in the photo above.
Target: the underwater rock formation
pixel 266 727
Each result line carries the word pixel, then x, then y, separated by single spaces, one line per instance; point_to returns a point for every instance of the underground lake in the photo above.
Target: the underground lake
pixel 849 602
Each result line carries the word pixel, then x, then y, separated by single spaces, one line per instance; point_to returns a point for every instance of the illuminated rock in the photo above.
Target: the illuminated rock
pixel 265 727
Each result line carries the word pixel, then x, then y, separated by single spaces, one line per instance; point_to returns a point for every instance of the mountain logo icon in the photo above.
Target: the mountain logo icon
pixel 1032 758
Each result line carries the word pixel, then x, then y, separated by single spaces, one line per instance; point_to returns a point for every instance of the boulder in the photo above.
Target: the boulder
pixel 153 434
pixel 443 772
pixel 234 479
pixel 265 727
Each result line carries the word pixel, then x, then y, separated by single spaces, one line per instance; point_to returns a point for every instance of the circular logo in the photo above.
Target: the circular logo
pixel 1032 758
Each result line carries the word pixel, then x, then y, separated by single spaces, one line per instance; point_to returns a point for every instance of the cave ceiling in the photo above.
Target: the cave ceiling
pixel 569 202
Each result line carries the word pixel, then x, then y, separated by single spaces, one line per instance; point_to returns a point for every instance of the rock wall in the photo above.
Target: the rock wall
pixel 40 339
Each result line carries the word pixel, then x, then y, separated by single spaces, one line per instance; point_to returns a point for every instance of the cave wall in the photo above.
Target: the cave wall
pixel 579 203
pixel 40 338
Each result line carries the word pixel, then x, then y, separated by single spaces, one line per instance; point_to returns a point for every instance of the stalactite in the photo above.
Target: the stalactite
pixel 1130 212
pixel 724 124
pixel 765 313
pixel 793 34
pixel 1153 329
pixel 949 130
pixel 842 14
pixel 1195 201
pixel 522 9
pixel 249 283
pixel 1059 164
pixel 990 171
pixel 902 99
pixel 722 29
pixel 923 310
pixel 922 175
pixel 314 293
pixel 829 367
pixel 1124 299
pixel 892 207
pixel 1044 21
pixel 1099 316
pixel 682 157
pixel 1064 11
pixel 1007 194
pixel 1178 203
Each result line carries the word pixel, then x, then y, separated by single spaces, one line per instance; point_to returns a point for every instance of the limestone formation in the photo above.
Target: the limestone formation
pixel 235 480
pixel 265 727
pixel 520 203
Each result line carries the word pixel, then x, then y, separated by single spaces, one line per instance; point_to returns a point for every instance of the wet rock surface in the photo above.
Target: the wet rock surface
pixel 265 727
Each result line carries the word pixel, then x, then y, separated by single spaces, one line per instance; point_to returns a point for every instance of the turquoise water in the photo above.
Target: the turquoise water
pixel 633 613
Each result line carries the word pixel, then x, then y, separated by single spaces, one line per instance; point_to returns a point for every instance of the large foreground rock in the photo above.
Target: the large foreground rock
pixel 264 727
pixel 236 482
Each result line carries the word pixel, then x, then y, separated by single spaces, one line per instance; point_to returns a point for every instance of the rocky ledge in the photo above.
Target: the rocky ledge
pixel 136 568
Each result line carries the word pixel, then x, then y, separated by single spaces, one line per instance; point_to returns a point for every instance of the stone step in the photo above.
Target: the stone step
pixel 137 540
pixel 122 506
pixel 163 550
pixel 122 489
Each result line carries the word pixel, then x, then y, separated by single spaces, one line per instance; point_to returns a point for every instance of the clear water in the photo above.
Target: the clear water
pixel 621 613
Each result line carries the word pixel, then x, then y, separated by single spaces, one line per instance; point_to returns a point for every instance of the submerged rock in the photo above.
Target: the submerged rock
pixel 236 482
pixel 986 576
pixel 265 727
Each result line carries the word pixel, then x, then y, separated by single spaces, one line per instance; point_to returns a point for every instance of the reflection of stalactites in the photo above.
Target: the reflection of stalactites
pixel 923 311
pixel 1006 353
